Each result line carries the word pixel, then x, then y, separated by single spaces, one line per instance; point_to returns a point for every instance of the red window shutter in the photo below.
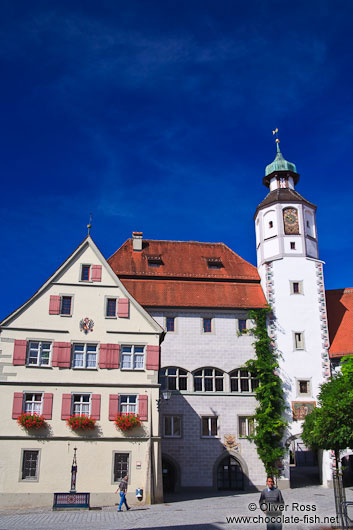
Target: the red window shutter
pixel 96 406
pixel 143 400
pixel 66 407
pixel 19 352
pixel 17 407
pixel 96 273
pixel 103 350
pixel 61 354
pixel 109 356
pixel 54 305
pixel 123 307
pixel 152 360
pixel 47 406
pixel 113 406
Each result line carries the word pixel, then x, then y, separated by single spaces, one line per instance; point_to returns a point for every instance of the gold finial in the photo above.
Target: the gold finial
pixel 275 132
pixel 89 226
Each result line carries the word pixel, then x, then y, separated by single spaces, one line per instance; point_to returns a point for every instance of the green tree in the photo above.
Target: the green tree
pixel 270 424
pixel 330 425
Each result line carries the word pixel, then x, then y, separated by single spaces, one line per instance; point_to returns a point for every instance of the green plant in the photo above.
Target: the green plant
pixel 30 421
pixel 269 420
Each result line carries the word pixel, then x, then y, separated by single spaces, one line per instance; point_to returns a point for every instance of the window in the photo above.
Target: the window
pixel 308 224
pixel 65 305
pixel 209 426
pixel 85 273
pixel 110 307
pixel 303 387
pixel 214 263
pixel 296 287
pixel 121 466
pixel 207 325
pixel 292 245
pixel 241 325
pixel 298 341
pixel 170 324
pixel 84 356
pixel 154 261
pixel 132 358
pixel 246 426
pixel 127 404
pixel 208 380
pixel 172 426
pixel 33 403
pixel 173 379
pixel 270 224
pixel 30 464
pixel 81 404
pixel 38 353
pixel 242 381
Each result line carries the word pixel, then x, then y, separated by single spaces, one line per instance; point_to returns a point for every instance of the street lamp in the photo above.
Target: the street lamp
pixel 165 395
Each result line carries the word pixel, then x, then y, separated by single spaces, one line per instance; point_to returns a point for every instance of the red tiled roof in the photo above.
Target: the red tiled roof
pixel 340 321
pixel 177 293
pixel 184 278
pixel 181 259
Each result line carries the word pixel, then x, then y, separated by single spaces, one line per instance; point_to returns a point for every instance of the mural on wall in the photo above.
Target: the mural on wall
pixel 302 408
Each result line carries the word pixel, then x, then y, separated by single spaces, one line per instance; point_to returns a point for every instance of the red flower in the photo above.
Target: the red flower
pixel 29 421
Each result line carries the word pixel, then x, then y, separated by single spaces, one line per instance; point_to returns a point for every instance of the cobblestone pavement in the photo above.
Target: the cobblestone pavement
pixel 193 514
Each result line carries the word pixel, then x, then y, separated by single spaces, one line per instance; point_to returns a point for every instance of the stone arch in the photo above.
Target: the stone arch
pixel 239 459
pixel 167 459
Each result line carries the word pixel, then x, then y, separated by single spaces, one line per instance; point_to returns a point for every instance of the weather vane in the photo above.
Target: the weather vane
pixel 89 226
pixel 275 133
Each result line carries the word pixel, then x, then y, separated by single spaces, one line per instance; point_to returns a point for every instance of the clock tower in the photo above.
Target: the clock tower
pixel 292 279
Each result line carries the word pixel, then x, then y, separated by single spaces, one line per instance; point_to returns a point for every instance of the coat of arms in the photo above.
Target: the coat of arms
pixel 86 325
pixel 231 443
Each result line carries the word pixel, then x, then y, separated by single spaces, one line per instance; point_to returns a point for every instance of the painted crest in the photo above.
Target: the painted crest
pixel 231 443
pixel 86 325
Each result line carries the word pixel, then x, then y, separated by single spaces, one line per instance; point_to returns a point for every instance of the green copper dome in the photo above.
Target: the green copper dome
pixel 280 164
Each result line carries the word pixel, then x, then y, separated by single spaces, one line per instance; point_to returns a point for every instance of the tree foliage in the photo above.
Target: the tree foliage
pixel 270 424
pixel 330 425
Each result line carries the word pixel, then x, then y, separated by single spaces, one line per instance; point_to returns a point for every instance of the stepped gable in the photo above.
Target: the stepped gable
pixel 340 321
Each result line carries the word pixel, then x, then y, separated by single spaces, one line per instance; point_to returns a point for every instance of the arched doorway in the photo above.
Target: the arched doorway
pixel 230 475
pixel 170 475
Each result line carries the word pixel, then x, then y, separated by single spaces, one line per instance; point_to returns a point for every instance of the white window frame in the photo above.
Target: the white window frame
pixel 131 407
pixel 90 272
pixel 177 378
pixel 300 287
pixel 133 354
pixel 172 418
pixel 71 305
pixel 106 306
pixel 250 378
pixel 209 418
pixel 85 354
pixel 304 394
pixel 212 325
pixel 39 353
pixel 81 403
pixel 36 477
pixel 33 403
pixel 298 346
pixel 247 420
pixel 214 377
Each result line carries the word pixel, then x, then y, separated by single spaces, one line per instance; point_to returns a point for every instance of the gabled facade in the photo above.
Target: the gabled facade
pixel 201 294
pixel 81 345
pixel 340 318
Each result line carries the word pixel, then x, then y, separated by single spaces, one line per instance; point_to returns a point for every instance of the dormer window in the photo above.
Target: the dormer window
pixel 214 263
pixel 154 261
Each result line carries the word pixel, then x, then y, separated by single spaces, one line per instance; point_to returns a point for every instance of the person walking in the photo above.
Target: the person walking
pixel 270 502
pixel 123 490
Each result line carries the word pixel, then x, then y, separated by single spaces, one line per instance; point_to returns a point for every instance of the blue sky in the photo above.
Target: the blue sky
pixel 157 116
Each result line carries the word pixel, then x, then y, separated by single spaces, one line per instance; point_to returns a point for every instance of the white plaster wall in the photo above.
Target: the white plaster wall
pixel 270 248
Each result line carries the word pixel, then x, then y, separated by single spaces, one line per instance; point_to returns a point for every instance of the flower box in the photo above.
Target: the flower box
pixel 125 422
pixel 30 421
pixel 81 423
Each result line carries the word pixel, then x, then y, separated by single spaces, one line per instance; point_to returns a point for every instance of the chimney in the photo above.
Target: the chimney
pixel 137 241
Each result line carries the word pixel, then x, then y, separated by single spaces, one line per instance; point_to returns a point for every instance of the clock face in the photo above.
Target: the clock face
pixel 290 219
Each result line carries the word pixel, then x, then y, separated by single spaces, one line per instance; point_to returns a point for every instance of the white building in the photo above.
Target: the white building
pixel 80 345
pixel 292 279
